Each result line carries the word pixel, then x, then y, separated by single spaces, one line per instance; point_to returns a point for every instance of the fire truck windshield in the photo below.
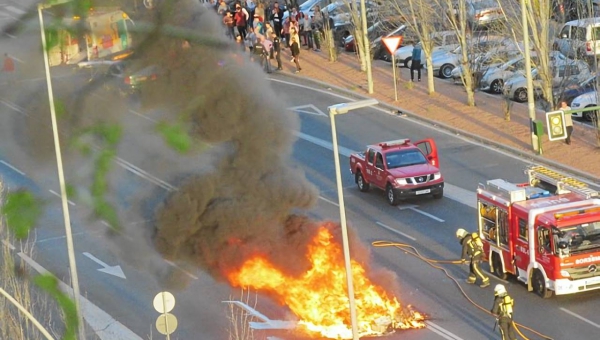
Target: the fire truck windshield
pixel 578 238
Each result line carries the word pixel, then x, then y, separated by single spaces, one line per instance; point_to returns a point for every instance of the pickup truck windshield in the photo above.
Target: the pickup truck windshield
pixel 397 159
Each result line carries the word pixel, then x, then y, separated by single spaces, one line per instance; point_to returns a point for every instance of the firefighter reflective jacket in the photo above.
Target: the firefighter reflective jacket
pixel 472 246
pixel 503 306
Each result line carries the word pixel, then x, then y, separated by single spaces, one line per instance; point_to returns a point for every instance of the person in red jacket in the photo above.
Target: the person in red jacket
pixel 240 21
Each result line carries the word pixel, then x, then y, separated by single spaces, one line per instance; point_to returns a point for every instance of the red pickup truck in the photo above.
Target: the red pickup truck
pixel 401 168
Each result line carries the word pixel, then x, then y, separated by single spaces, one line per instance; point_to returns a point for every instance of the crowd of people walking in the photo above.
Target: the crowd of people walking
pixel 264 32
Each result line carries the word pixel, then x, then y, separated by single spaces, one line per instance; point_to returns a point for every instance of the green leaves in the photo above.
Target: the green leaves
pixel 175 136
pixel 21 211
pixel 50 284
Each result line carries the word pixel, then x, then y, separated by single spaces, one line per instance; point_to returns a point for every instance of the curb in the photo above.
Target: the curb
pixel 517 152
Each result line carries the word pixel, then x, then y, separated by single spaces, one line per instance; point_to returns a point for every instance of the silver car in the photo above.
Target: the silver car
pixel 444 64
pixel 480 13
pixel 444 41
pixel 564 72
pixel 493 79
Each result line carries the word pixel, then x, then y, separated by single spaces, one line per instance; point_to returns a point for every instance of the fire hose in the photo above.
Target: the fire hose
pixel 411 250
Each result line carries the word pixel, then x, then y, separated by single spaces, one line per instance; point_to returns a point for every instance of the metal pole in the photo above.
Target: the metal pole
pixel 61 180
pixel 395 81
pixel 338 177
pixel 366 47
pixel 530 98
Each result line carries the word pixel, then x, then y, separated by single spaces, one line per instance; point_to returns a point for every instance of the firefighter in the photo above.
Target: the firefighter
pixel 503 310
pixel 473 247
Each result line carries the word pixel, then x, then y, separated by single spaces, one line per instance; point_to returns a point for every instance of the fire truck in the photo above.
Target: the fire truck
pixel 545 232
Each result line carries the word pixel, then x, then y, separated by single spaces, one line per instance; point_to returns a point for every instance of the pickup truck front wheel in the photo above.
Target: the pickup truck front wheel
pixel 391 195
pixel 360 182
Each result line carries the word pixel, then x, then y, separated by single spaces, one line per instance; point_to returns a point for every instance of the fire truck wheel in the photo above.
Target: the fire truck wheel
pixel 391 195
pixel 539 285
pixel 360 181
pixel 497 267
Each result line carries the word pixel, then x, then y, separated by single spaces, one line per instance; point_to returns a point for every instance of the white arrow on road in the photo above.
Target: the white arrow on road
pixel 310 109
pixel 114 270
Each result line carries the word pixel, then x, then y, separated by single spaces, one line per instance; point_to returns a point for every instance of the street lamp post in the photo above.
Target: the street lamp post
pixel 333 111
pixel 61 175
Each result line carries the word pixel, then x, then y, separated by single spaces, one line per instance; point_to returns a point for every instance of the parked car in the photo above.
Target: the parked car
pixel 480 13
pixel 486 61
pixel 339 12
pixel 307 7
pixel 375 32
pixel 493 79
pixel 442 41
pixel 579 38
pixel 443 64
pixel 565 73
pixel 575 90
pixel 588 99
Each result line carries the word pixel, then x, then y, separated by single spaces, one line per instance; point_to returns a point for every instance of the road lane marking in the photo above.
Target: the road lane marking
pixel 104 325
pixel 323 143
pixel 580 317
pixel 58 195
pixel 143 116
pixel 395 231
pixel 12 105
pixel 442 332
pixel 137 171
pixel 13 168
pixel 59 237
pixel 427 214
pixel 329 201
pixel 172 264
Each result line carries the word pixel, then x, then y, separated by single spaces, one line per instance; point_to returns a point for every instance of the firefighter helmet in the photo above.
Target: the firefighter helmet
pixel 461 233
pixel 499 289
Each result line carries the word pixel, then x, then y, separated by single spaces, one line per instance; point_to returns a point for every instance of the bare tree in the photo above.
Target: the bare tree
pixel 423 18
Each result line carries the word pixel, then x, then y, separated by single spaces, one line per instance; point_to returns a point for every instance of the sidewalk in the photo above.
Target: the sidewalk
pixel 447 108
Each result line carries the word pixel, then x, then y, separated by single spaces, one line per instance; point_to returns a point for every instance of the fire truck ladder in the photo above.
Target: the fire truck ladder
pixel 563 183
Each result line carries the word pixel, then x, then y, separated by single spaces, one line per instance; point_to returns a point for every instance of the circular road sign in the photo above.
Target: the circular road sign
pixel 164 302
pixel 166 323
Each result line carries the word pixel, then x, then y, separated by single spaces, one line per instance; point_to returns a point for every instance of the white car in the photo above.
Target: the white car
pixel 443 41
pixel 585 100
pixel 493 79
pixel 565 72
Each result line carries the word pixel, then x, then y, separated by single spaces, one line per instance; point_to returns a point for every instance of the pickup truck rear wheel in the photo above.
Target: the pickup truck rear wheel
pixel 391 195
pixel 360 182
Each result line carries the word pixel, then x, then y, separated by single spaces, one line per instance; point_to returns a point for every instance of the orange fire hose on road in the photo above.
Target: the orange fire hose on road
pixel 407 248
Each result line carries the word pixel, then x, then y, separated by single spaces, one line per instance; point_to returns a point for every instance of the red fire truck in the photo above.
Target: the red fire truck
pixel 545 232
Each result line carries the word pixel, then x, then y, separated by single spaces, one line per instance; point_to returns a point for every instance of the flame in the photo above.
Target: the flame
pixel 319 297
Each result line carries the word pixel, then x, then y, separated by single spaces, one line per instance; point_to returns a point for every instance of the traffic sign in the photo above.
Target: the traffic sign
pixel 392 43
pixel 557 128
pixel 166 324
pixel 164 302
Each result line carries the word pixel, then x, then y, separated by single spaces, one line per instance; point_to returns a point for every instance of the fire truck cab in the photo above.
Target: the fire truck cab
pixel 545 232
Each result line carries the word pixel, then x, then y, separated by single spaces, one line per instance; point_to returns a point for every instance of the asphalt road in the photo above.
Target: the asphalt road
pixel 427 224
pixel 141 180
